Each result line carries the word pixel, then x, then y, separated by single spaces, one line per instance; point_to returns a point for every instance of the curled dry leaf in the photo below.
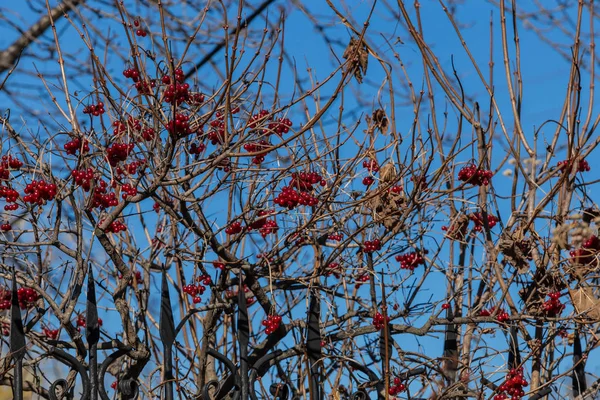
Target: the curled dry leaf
pixel 585 302
pixel 357 55
pixel 387 173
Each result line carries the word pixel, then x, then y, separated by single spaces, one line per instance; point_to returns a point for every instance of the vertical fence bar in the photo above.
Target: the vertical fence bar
pixel 579 383
pixel 243 339
pixel 17 340
pixel 313 346
pixel 167 336
pixel 92 330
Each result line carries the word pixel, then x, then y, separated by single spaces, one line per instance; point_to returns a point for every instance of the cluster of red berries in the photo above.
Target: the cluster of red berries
pixel 179 77
pixel 291 198
pixel 217 134
pixel 477 218
pixel 196 99
pixel 371 165
pixel 501 317
pixel 101 198
pixel 257 118
pixel 83 178
pixel 333 269
pixel 474 175
pixel 177 93
pixel 397 387
pixel 5 227
pixel 118 152
pixel 128 191
pixel 94 109
pixel 139 32
pixel 379 321
pixel 513 386
pixel 335 237
pixel 132 74
pixel 39 192
pixel 281 126
pixel 197 149
pixel 80 322
pixel 254 147
pixel 272 323
pixel 179 125
pixel 553 307
pixel 75 145
pixel 51 334
pixel 368 180
pixel 132 168
pixel 11 196
pixel 195 291
pixel 26 298
pixel 586 255
pixel 115 226
pixel 7 163
pixel 582 165
pixel 148 134
pixel 304 181
pixel 218 265
pixel 362 278
pixel 234 228
pixel 263 224
pixel 410 260
pixel 370 246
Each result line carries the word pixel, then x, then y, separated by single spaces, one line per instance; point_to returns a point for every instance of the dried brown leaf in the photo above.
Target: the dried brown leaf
pixel 380 121
pixel 357 55
pixel 585 302
pixel 388 173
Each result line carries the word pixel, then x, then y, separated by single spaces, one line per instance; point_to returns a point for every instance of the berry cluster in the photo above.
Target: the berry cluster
pixel 115 226
pixel 83 178
pixel 397 387
pixel 177 93
pixel 94 109
pixel 132 168
pixel 218 265
pixel 234 228
pixel 370 246
pixel 132 73
pixel 474 175
pixel 335 237
pixel 197 149
pixel 263 224
pixel 140 32
pixel 118 152
pixel 148 134
pixel 410 260
pixel 368 180
pixel 179 77
pixel 362 278
pixel 258 118
pixel 586 255
pixel 254 147
pixel 513 386
pixel 397 189
pixel 272 323
pixel 6 164
pixel 291 198
pixel 80 322
pixel 11 196
pixel 582 165
pixel 379 321
pixel 195 291
pixel 51 334
pixel 5 227
pixel 38 192
pixel 477 218
pixel 217 134
pixel 281 126
pixel 128 191
pixel 230 294
pixel 26 298
pixel 553 307
pixel 101 198
pixel 501 317
pixel 179 125
pixel 304 181
pixel 371 165
pixel 334 269
pixel 75 145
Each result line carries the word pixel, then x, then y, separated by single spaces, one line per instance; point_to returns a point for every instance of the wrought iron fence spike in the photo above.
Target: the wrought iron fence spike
pixel 17 340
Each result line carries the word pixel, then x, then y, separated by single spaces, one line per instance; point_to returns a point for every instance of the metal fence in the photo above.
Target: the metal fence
pixel 241 378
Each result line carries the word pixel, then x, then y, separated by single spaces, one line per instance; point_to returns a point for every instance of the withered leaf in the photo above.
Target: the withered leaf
pixel 388 173
pixel 585 301
pixel 357 55
pixel 380 120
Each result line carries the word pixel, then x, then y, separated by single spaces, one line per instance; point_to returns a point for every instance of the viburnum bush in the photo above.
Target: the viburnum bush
pixel 397 204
